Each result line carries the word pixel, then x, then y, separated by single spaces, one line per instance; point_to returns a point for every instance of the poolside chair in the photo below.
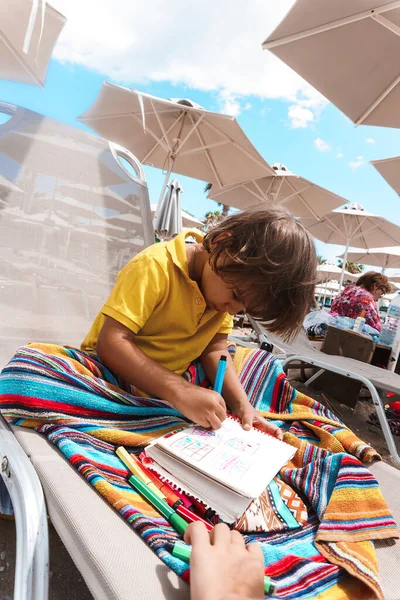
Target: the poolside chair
pixel 73 210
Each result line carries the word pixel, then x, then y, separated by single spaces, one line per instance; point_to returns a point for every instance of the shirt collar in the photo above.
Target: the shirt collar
pixel 177 248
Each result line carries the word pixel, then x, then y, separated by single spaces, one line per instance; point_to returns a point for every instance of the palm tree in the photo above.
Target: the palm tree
pixel 211 219
pixel 351 267
pixel 224 207
pixel 321 260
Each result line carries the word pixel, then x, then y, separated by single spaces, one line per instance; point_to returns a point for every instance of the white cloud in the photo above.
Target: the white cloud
pixel 229 103
pixel 214 46
pixel 370 140
pixel 299 117
pixel 356 164
pixel 339 155
pixel 321 145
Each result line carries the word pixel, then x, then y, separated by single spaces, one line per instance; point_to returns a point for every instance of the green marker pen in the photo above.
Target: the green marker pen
pixel 183 551
pixel 172 517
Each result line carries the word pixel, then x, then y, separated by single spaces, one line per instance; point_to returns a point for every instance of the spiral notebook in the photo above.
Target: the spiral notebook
pixel 224 468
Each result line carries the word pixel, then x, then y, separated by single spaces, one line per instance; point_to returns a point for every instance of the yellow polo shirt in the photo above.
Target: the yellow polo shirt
pixel 155 298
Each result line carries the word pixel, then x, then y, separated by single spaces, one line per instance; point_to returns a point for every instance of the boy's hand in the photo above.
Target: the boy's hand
pixel 250 416
pixel 222 567
pixel 202 406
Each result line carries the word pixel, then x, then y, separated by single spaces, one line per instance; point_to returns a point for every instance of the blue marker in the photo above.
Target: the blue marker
pixel 219 378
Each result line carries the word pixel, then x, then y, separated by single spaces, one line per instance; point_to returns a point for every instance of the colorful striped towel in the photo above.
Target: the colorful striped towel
pixel 84 409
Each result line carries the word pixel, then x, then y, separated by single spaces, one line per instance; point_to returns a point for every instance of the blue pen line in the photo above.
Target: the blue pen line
pixel 219 378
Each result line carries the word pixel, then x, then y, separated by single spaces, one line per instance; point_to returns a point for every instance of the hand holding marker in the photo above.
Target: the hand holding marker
pixel 183 552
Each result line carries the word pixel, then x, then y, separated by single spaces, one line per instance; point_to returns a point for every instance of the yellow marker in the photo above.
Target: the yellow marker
pixel 132 463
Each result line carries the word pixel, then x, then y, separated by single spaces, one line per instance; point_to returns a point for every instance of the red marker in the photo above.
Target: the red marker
pixel 190 517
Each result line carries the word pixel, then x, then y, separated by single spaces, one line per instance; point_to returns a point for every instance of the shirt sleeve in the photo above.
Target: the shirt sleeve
pixel 140 287
pixel 372 317
pixel 226 325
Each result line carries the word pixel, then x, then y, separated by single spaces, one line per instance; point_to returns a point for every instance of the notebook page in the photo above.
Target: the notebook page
pixel 244 461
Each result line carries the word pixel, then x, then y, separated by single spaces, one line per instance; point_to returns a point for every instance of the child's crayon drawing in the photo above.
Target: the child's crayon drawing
pixel 243 445
pixel 232 464
pixel 192 448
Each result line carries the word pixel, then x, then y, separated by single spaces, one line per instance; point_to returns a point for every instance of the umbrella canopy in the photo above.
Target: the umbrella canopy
pixel 302 197
pixel 176 136
pixel 352 223
pixel 28 32
pixel 188 220
pixel 168 217
pixel 327 272
pixel 389 168
pixel 387 258
pixel 357 43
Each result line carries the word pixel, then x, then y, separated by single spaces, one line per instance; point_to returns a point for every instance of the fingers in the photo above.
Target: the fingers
pixel 220 535
pixel 255 549
pixel 197 535
pixel 220 411
pixel 247 420
pixel 237 538
pixel 214 421
pixel 269 427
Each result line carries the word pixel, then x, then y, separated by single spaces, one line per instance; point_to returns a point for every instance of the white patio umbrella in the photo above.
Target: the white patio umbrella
pixel 387 258
pixel 302 197
pixel 327 272
pixel 188 220
pixel 168 216
pixel 352 223
pixel 28 32
pixel 389 168
pixel 349 51
pixel 176 136
pixel 328 289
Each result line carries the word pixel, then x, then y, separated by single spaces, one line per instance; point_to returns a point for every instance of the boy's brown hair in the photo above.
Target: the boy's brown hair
pixel 270 260
pixel 371 279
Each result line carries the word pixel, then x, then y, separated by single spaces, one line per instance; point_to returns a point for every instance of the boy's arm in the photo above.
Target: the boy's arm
pixel 117 350
pixel 232 391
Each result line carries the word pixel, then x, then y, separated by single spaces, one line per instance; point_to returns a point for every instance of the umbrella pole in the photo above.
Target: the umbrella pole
pixel 166 179
pixel 344 265
pixel 385 266
pixel 325 294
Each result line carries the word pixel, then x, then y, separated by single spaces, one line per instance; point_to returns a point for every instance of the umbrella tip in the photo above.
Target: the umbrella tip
pixel 186 102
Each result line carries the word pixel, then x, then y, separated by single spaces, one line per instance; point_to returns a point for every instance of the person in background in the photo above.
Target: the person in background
pixel 362 296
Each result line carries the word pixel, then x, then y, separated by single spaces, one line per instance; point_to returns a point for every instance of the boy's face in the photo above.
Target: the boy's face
pixel 218 294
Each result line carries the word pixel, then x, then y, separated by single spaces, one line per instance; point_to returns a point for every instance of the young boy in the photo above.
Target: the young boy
pixel 174 302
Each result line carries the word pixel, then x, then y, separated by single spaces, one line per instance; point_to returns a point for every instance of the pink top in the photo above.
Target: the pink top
pixel 352 301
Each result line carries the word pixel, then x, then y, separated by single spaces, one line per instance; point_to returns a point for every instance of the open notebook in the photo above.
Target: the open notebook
pixel 224 468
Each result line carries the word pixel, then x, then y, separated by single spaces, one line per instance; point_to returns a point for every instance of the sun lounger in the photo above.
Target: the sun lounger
pixel 71 216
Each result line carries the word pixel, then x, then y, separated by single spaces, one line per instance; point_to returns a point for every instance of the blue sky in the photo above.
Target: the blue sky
pixel 283 118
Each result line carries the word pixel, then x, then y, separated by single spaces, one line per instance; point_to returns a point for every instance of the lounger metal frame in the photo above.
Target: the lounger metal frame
pixel 32 538
pixel 376 399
